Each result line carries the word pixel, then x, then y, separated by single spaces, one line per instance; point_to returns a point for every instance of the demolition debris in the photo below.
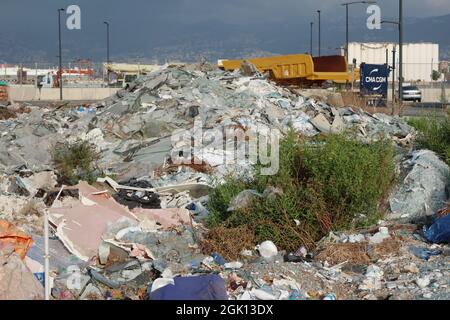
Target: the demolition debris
pixel 137 230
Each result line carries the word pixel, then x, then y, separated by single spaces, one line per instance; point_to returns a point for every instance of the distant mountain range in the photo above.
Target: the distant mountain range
pixel 210 39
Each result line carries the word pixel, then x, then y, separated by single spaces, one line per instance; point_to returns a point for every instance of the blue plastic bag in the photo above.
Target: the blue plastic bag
pixel 439 232
pixel 205 287
pixel 424 253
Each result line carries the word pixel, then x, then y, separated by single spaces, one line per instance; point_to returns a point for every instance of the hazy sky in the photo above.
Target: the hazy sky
pixel 236 11
pixel 144 24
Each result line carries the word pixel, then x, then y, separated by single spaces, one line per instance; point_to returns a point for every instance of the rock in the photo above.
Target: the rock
pixel 103 252
pixel 411 268
pixel 16 280
pixel 44 180
pixel 372 282
pixel 73 281
pixel 335 100
pixel 428 295
pixel 91 293
pixel 263 295
pixel 356 238
pixel 380 236
pixel 248 69
pixel 338 125
pixel 424 189
pixel 423 282
pixel 129 275
pixel 233 265
pixel 321 123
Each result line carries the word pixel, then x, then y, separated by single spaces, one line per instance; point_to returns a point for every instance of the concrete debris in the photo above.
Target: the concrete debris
pixel 16 280
pixel 424 189
pixel 374 275
pixel 335 100
pixel 380 236
pixel 321 123
pixel 141 235
pixel 45 180
pixel 423 282
pixel 91 293
pixel 135 126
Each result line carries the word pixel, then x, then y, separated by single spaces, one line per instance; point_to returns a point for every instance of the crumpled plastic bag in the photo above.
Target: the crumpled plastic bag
pixel 11 236
pixel 439 231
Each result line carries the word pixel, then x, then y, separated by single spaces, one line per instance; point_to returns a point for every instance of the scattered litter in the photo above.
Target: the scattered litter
pixel 206 287
pixel 268 250
pixel 439 232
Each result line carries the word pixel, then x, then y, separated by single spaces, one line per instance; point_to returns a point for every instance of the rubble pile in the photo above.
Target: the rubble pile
pixel 133 129
pixel 141 234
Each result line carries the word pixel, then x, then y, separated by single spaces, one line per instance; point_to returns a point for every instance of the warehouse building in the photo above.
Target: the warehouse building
pixel 419 59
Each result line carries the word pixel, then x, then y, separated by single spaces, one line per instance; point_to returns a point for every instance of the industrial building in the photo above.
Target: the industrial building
pixel 419 59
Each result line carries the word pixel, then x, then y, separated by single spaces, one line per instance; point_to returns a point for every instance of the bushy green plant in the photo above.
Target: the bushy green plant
pixel 327 184
pixel 76 161
pixel 434 134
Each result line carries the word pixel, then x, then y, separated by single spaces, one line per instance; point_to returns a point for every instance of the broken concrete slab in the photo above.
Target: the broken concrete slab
pixel 423 191
pixel 321 123
pixel 91 293
pixel 45 180
pixel 167 218
pixel 80 228
pixel 335 100
pixel 12 237
pixel 16 280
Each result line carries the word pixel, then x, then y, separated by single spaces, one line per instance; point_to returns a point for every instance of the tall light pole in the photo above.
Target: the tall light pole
pixel 400 58
pixel 107 48
pixel 400 53
pixel 311 39
pixel 347 4
pixel 318 11
pixel 60 56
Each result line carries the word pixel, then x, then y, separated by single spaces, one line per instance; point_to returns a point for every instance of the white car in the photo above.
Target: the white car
pixel 412 93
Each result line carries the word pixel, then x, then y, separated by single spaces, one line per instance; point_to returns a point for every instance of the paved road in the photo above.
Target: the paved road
pixel 423 109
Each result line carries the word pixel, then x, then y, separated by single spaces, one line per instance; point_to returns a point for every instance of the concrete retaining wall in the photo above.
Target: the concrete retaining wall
pixel 30 93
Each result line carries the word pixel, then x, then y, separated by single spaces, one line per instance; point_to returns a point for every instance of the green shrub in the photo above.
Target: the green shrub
pixel 327 185
pixel 76 161
pixel 435 134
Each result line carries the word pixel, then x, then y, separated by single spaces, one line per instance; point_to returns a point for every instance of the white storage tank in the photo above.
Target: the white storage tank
pixel 419 59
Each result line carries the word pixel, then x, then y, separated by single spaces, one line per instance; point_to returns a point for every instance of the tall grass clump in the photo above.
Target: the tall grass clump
pixel 434 134
pixel 76 161
pixel 326 184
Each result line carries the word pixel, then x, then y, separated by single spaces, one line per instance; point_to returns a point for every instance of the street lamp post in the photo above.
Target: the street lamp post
pixel 318 11
pixel 400 58
pixel 60 56
pixel 347 4
pixel 311 39
pixel 107 48
pixel 400 52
